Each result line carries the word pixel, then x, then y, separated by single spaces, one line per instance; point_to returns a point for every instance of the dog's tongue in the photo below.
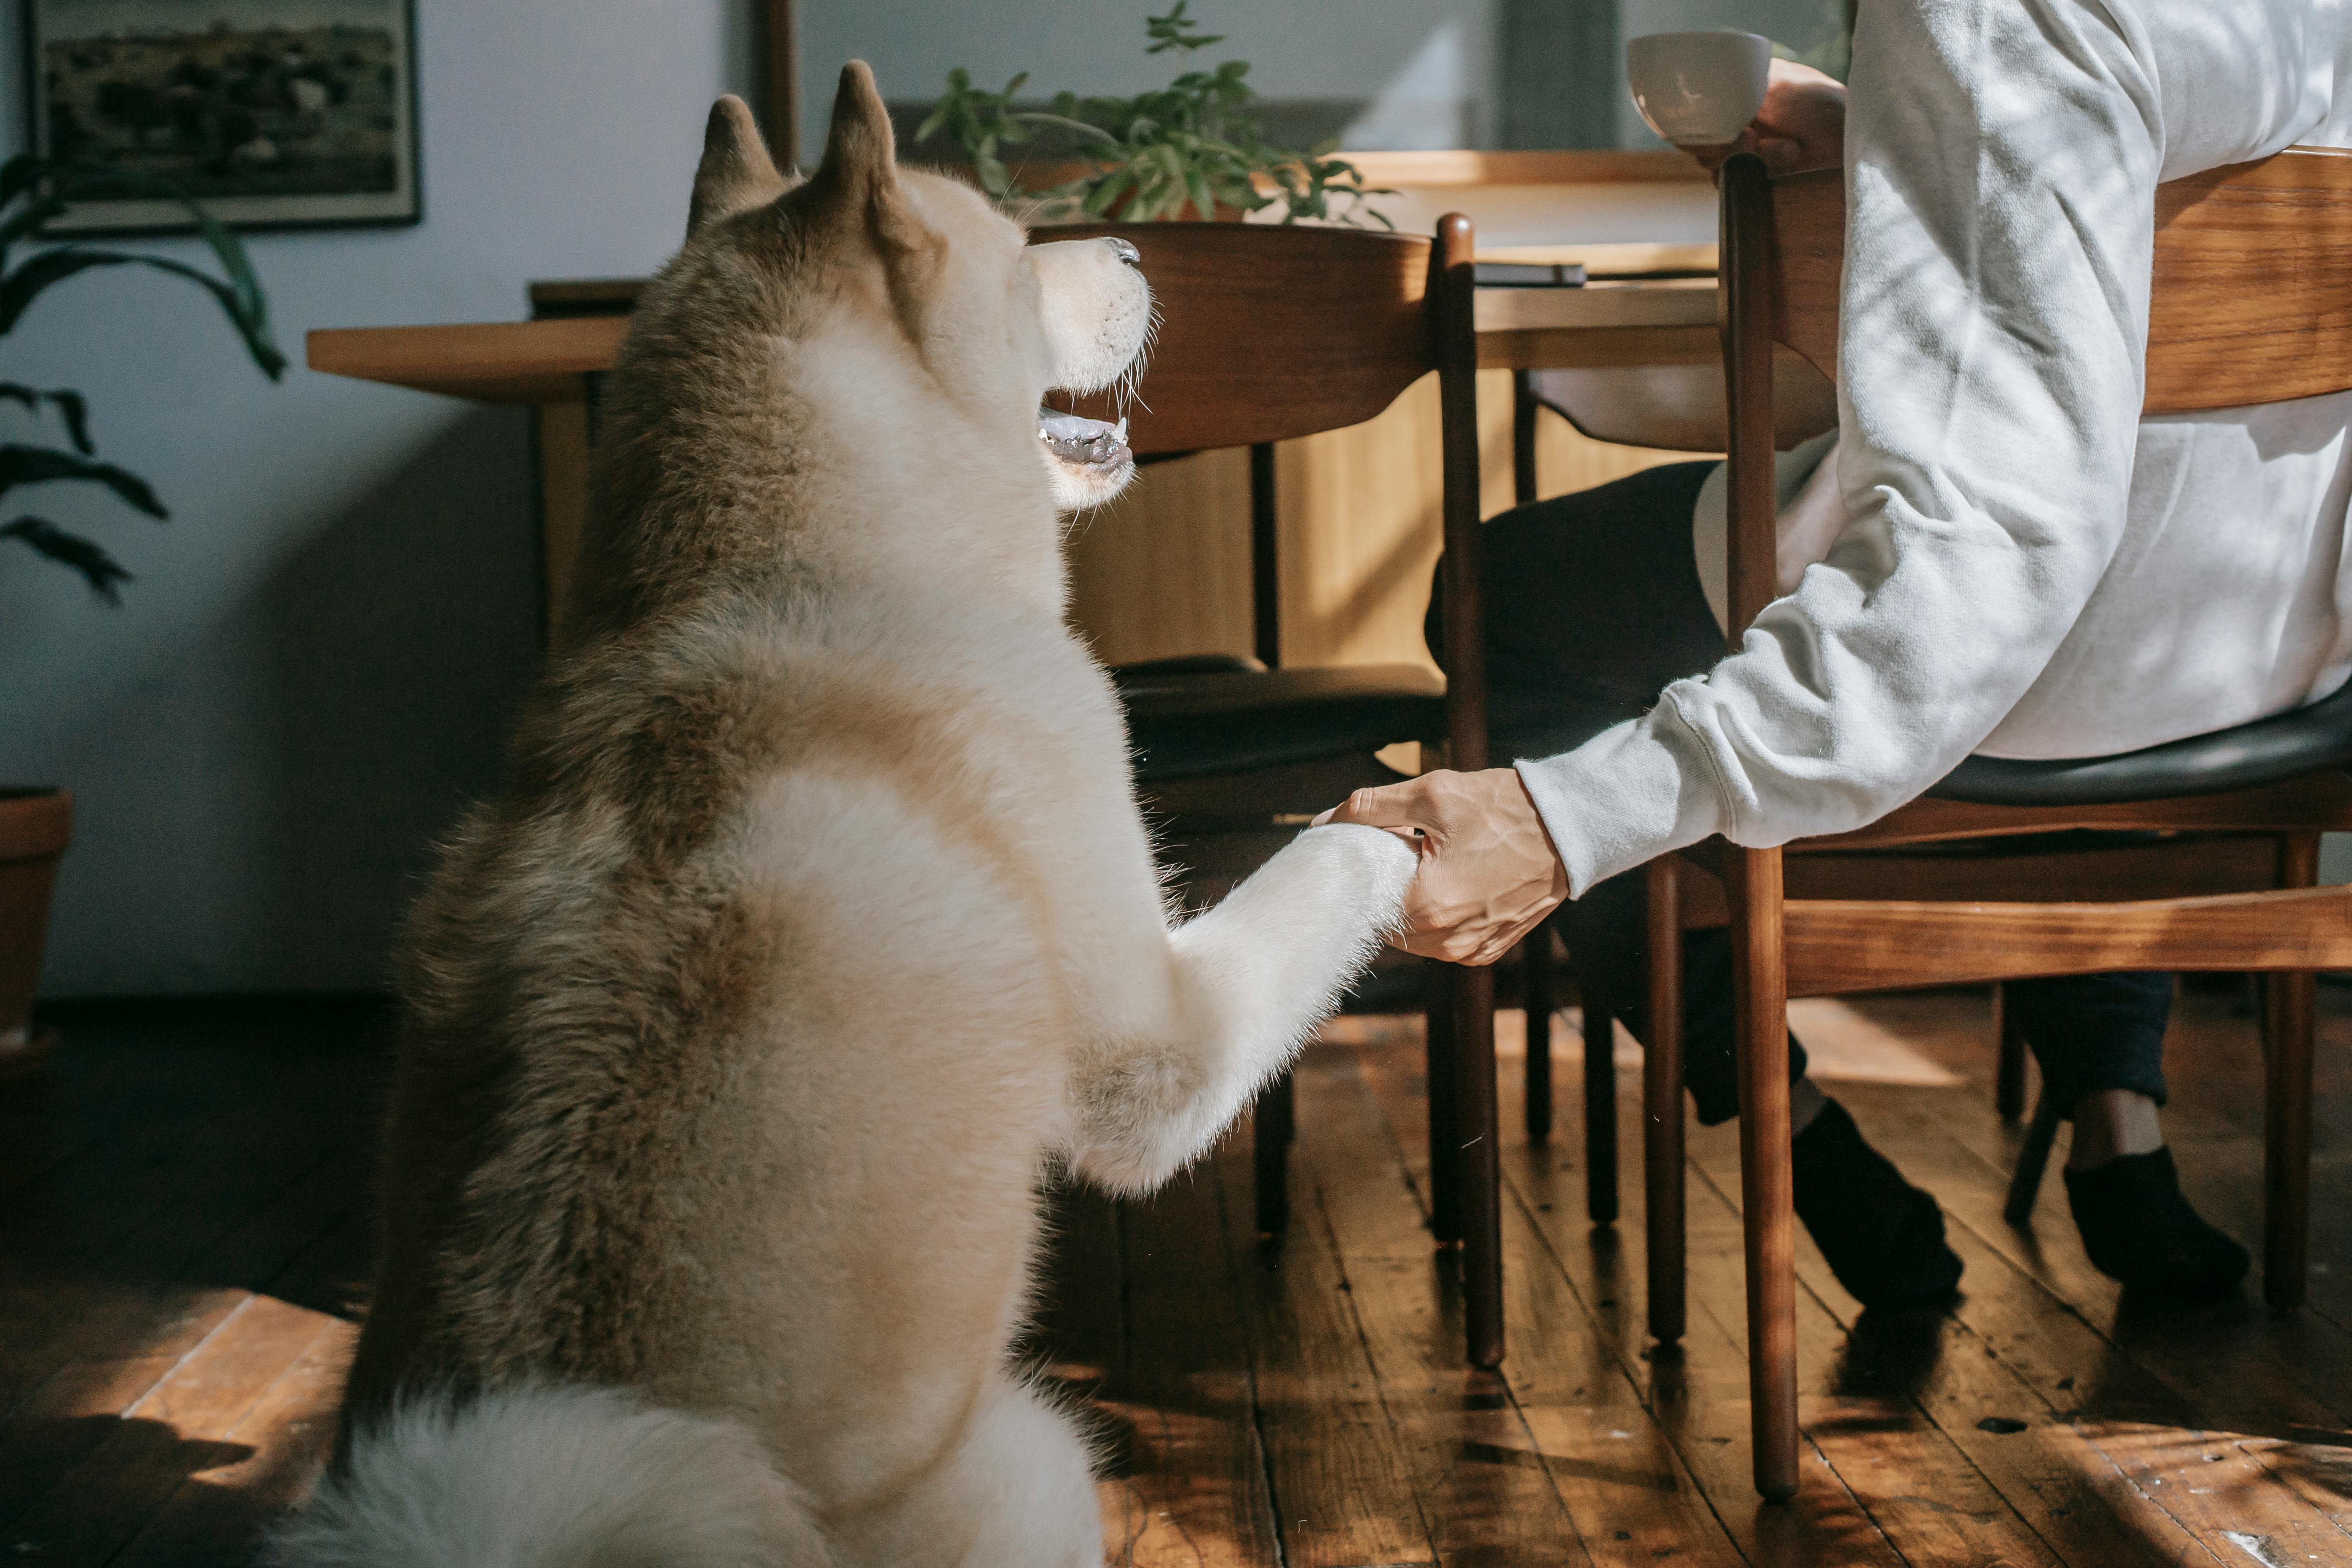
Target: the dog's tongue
pixel 1084 441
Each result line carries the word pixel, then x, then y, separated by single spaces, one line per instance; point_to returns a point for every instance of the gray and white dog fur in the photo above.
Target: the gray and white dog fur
pixel 819 925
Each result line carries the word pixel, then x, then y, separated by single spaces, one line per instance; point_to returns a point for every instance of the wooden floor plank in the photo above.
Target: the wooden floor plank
pixel 2052 1503
pixel 1342 1490
pixel 216 1515
pixel 2013 1339
pixel 1478 1471
pixel 2230 1361
pixel 96 1262
pixel 2319 1473
pixel 1626 1491
pixel 1936 1508
pixel 1307 1409
pixel 1962 1383
pixel 179 1428
pixel 73 1413
pixel 1629 1489
pixel 2224 1496
pixel 1823 1523
pixel 1195 1492
pixel 1695 1392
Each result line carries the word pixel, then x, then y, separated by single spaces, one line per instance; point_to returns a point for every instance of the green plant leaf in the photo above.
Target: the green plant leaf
pixel 250 310
pixel 71 406
pixel 1197 184
pixel 21 465
pixel 98 569
pixel 16 176
pixel 35 212
pixel 931 123
pixel 1107 192
pixel 20 288
pixel 1195 142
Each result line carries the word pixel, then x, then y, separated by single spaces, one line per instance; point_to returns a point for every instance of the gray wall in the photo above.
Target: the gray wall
pixel 319 661
pixel 1439 73
pixel 1297 49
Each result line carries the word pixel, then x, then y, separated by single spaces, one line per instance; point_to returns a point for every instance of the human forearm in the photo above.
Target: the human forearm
pixel 1994 308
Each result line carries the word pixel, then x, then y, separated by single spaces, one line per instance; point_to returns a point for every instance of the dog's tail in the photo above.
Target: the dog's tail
pixel 551 1478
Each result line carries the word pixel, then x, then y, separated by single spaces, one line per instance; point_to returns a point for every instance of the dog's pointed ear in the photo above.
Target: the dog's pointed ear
pixel 861 153
pixel 861 163
pixel 736 171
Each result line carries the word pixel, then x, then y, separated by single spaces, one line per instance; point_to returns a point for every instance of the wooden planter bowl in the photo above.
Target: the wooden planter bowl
pixel 35 825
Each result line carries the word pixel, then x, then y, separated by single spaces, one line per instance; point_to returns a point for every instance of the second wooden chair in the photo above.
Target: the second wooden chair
pixel 1270 333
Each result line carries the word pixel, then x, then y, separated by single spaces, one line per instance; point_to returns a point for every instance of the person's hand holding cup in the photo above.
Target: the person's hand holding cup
pixel 1713 94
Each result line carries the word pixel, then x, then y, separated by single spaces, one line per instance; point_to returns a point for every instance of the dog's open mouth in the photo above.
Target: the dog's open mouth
pixel 1090 460
pixel 1083 443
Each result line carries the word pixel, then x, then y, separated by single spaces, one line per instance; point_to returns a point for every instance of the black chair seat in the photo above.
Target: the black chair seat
pixel 2264 751
pixel 1188 721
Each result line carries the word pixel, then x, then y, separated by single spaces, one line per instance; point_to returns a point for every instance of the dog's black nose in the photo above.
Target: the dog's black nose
pixel 1126 252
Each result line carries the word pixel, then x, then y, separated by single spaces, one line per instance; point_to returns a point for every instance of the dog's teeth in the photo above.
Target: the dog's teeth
pixel 1122 428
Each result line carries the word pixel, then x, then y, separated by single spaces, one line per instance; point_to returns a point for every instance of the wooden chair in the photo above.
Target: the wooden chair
pixel 1673 408
pixel 2252 304
pixel 1267 334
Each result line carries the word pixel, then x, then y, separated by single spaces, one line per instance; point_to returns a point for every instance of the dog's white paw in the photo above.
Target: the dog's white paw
pixel 1375 863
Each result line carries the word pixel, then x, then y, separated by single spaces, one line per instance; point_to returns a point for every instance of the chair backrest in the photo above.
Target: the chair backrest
pixel 2250 301
pixel 1268 332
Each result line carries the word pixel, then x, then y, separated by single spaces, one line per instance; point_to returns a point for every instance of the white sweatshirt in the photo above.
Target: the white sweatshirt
pixel 2023 565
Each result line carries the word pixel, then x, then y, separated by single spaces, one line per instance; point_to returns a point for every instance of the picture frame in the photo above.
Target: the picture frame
pixel 275 114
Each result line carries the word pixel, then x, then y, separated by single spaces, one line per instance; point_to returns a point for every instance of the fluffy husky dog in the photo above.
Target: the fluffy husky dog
pixel 820 922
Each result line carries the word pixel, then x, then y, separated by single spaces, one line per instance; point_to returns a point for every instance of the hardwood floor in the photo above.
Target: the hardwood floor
pixel 183 1235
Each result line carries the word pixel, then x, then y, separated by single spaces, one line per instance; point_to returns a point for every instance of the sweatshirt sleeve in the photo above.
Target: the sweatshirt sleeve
pixel 2001 163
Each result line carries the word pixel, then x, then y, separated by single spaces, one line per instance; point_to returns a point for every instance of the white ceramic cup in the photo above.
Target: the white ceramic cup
pixel 1698 89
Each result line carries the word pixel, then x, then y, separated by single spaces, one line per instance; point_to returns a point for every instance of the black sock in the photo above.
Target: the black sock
pixel 1882 1236
pixel 2138 1228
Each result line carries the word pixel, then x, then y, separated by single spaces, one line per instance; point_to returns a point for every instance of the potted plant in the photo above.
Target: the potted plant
pixel 36 823
pixel 1193 145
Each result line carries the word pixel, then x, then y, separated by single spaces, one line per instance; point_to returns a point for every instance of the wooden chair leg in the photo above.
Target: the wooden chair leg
pixel 1600 1115
pixel 1537 973
pixel 1523 436
pixel 2032 1159
pixel 1272 1130
pixel 1760 1009
pixel 2290 1019
pixel 1442 1078
pixel 2009 1083
pixel 1662 1103
pixel 1478 1174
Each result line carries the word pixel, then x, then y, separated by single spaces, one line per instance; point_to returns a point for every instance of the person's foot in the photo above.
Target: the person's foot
pixel 2138 1229
pixel 1884 1237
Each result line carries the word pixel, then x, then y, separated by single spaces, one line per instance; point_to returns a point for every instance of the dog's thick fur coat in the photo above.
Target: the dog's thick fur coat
pixel 820 922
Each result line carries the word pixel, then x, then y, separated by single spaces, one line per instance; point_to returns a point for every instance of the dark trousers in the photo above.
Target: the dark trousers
pixel 1593 607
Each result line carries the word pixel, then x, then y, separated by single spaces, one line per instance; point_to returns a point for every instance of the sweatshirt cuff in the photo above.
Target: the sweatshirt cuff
pixel 1626 796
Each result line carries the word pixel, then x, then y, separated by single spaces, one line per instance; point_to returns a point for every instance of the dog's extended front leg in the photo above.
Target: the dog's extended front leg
pixel 1249 979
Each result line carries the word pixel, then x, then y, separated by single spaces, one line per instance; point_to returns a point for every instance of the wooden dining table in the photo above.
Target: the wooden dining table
pixel 1643 306
pixel 1608 322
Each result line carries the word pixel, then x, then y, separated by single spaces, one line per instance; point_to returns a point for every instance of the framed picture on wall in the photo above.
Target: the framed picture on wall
pixel 274 114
